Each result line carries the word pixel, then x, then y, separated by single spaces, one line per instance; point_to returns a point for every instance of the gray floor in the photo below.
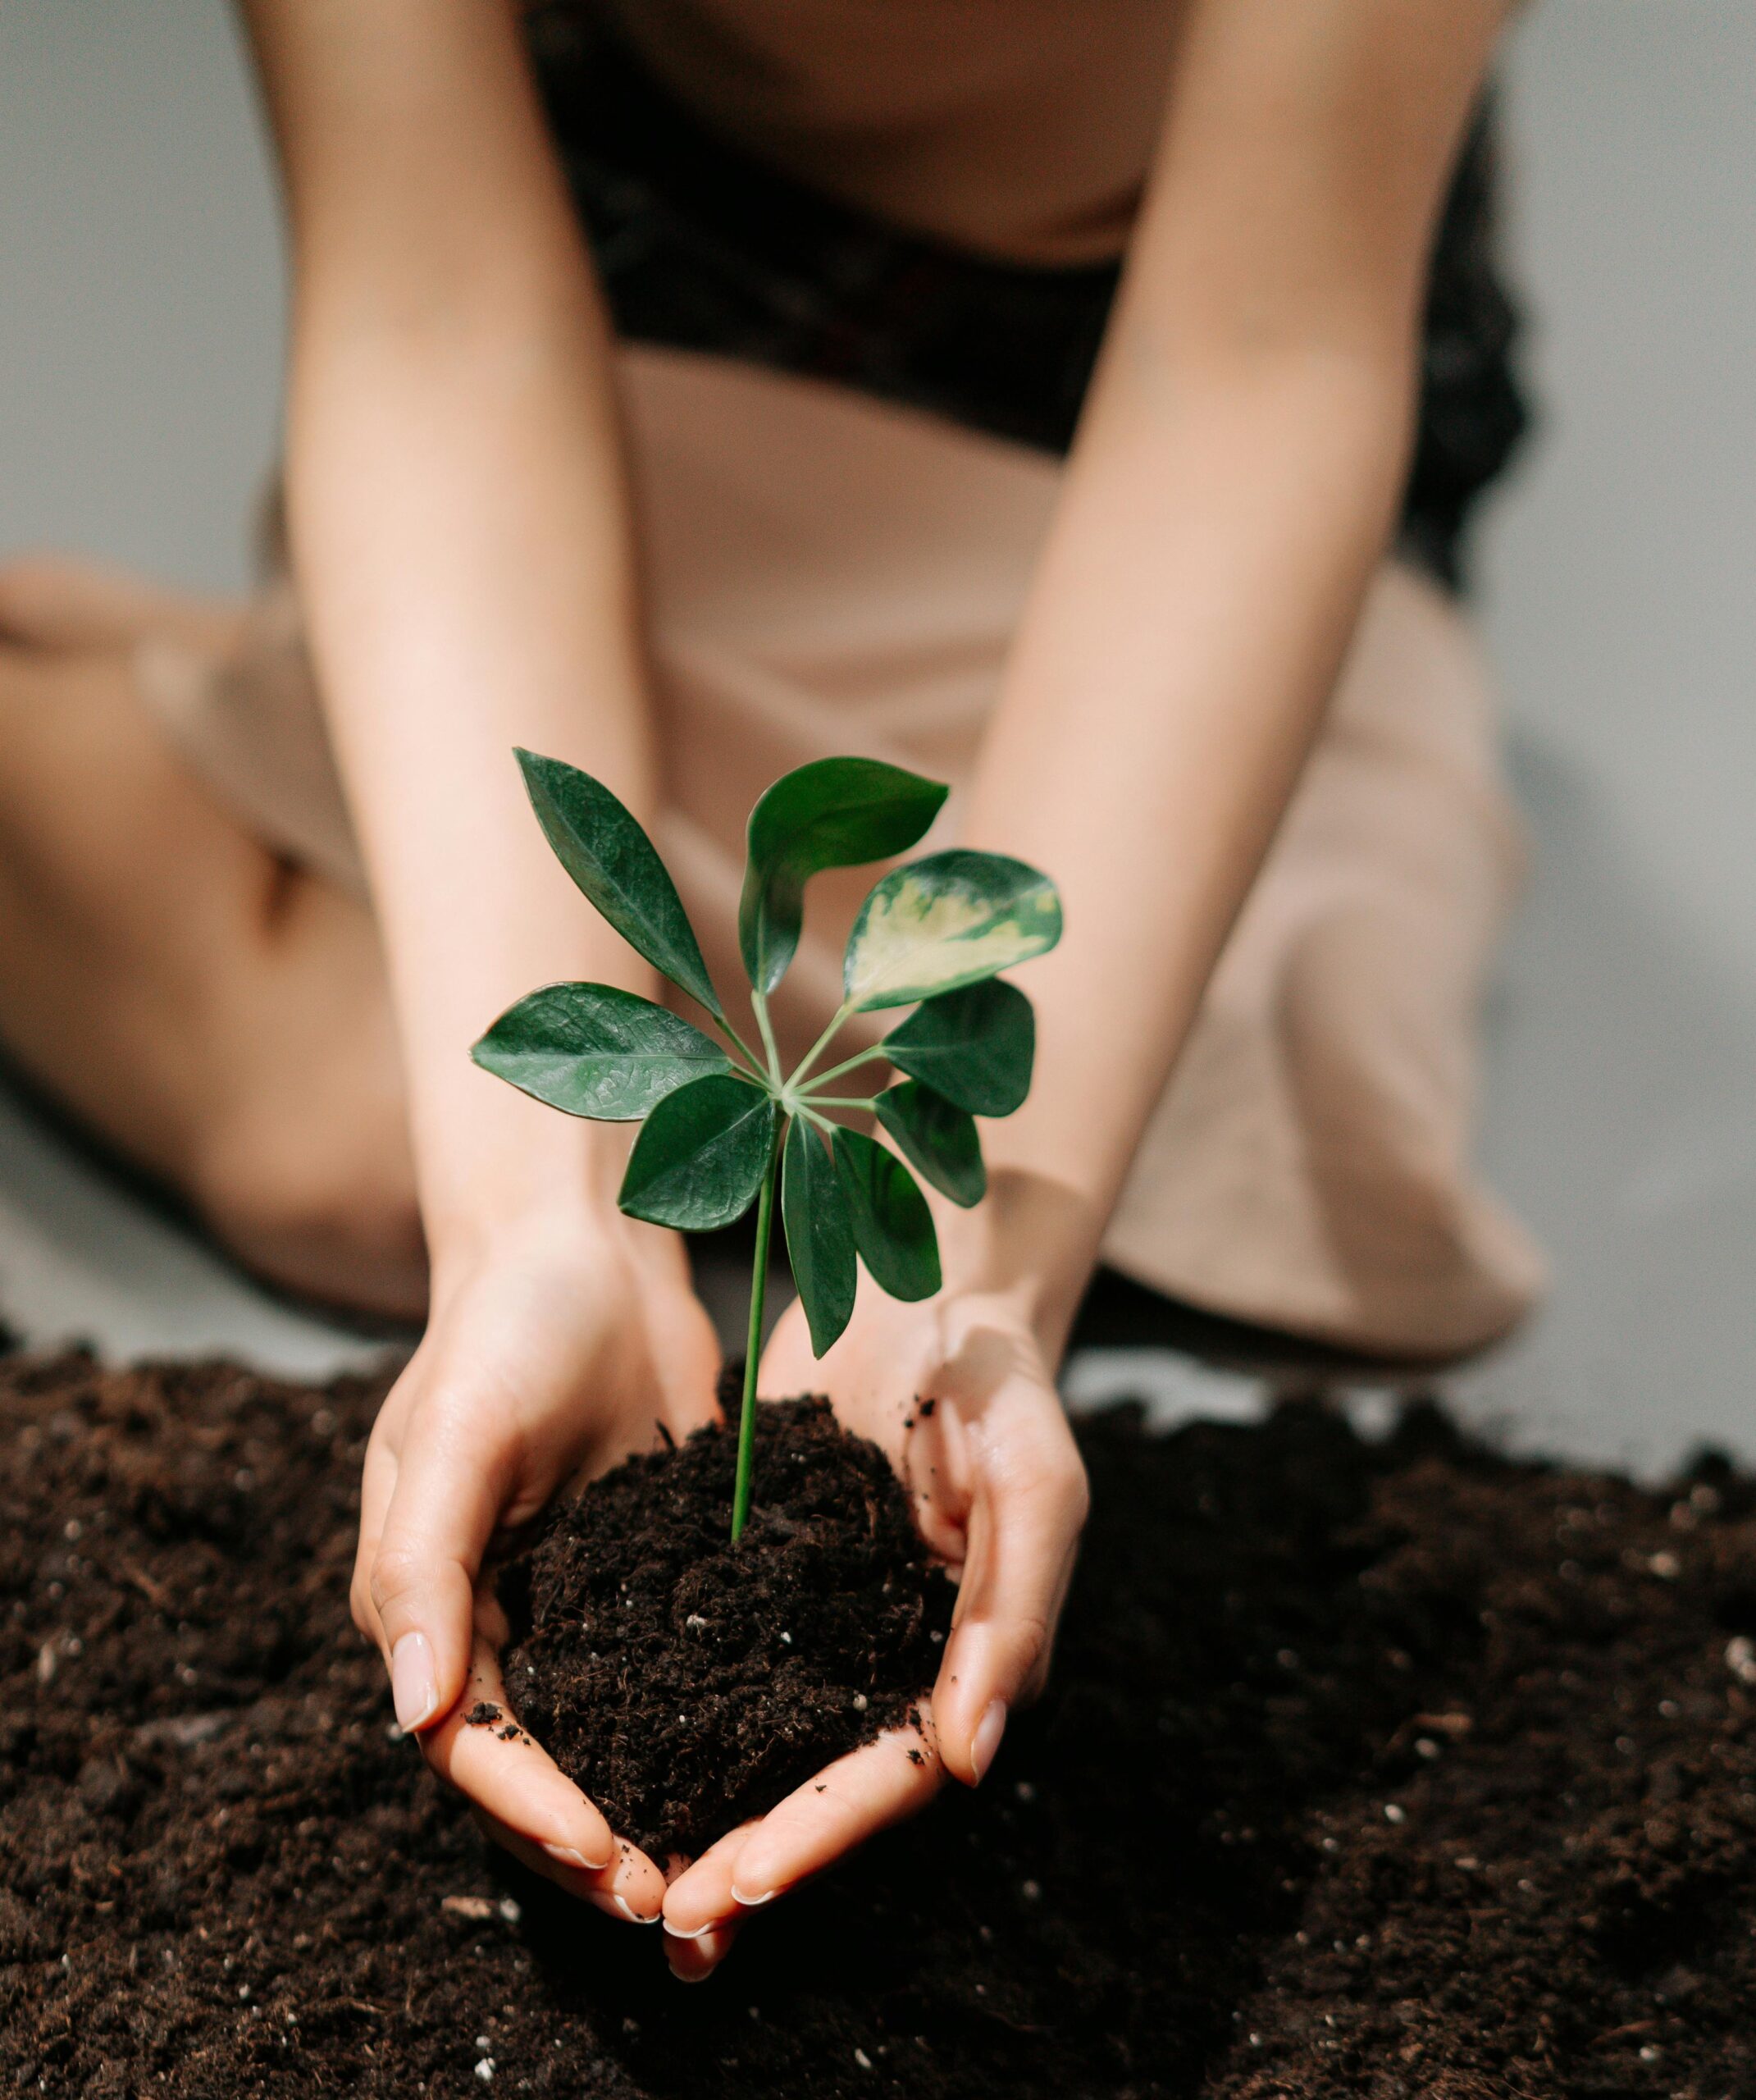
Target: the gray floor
pixel 139 315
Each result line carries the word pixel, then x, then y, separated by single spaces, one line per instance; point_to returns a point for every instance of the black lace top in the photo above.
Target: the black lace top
pixel 702 247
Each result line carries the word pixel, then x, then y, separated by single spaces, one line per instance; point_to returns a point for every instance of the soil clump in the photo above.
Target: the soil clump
pixel 685 1683
pixel 1390 1769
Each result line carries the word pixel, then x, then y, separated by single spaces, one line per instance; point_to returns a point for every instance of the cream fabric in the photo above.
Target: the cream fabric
pixel 828 575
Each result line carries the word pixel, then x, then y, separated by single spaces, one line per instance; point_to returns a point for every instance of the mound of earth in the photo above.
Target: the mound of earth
pixel 688 1684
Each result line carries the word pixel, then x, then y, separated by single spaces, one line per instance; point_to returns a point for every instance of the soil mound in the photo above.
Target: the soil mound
pixel 687 1683
pixel 1389 1770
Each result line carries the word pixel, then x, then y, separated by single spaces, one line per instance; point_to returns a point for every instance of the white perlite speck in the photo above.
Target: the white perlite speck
pixel 484 2070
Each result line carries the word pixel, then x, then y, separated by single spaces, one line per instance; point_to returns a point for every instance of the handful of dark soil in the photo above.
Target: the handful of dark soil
pixel 685 1683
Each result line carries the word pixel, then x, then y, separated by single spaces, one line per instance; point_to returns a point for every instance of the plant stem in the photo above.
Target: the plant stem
pixel 846 1065
pixel 844 1101
pixel 767 1026
pixel 758 1291
pixel 732 1036
pixel 822 1044
pixel 744 1057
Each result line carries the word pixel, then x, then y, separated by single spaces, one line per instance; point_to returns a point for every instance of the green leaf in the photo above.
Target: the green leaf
pixel 593 1050
pixel 617 866
pixel 892 1226
pixel 948 920
pixel 819 1235
pixel 834 813
pixel 699 1161
pixel 938 1140
pixel 975 1047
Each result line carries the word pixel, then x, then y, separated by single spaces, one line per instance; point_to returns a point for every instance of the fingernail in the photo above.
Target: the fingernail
pixel 989 1729
pixel 631 1914
pixel 752 1902
pixel 676 1932
pixel 415 1682
pixel 569 1856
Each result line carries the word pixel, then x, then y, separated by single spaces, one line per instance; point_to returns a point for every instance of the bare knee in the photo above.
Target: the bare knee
pixel 309 1173
pixel 58 601
pixel 328 1214
pixel 30 592
pixel 221 1022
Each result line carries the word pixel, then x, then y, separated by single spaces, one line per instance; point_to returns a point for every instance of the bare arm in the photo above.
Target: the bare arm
pixel 460 531
pixel 462 539
pixel 1233 487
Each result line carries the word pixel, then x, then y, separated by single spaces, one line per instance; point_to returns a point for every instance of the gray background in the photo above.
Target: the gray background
pixel 140 315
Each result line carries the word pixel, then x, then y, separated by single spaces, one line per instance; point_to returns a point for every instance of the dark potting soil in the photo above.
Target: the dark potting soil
pixel 685 1683
pixel 1383 1770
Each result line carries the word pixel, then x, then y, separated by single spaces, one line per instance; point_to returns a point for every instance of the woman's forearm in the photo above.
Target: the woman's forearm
pixel 462 538
pixel 458 608
pixel 1192 610
pixel 1232 488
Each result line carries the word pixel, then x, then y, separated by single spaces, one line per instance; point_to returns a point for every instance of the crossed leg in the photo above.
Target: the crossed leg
pixel 219 1019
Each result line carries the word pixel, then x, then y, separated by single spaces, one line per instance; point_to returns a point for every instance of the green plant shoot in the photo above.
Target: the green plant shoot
pixel 722 1127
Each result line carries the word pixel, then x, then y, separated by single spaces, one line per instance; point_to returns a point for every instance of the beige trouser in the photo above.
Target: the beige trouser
pixel 826 574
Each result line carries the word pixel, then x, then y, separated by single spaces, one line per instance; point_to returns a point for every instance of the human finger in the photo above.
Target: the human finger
pixel 694 1960
pixel 377 1485
pixel 506 1772
pixel 446 1501
pixel 1027 1512
pixel 700 1897
pixel 608 1890
pixel 848 1802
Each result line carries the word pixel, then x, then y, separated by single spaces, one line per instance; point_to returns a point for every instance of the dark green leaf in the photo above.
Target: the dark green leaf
pixel 618 867
pixel 834 813
pixel 893 1225
pixel 938 1140
pixel 595 1051
pixel 819 1235
pixel 975 1047
pixel 699 1161
pixel 948 920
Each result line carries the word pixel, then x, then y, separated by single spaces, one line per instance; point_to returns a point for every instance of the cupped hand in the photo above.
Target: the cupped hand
pixel 550 1358
pixel 959 1392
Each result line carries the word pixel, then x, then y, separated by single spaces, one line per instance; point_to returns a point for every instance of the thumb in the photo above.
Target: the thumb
pixel 1026 1514
pixel 422 1579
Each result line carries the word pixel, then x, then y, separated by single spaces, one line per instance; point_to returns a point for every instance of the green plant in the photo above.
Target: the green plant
pixel 722 1128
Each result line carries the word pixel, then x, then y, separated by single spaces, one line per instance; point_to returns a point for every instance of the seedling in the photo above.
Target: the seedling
pixel 721 1127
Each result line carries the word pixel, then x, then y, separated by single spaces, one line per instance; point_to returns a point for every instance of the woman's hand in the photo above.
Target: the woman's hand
pixel 554 1353
pixel 959 1392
